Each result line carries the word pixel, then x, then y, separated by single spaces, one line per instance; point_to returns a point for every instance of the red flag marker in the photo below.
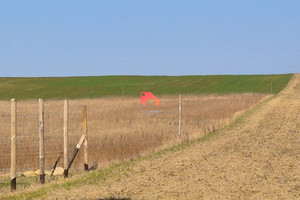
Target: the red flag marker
pixel 145 96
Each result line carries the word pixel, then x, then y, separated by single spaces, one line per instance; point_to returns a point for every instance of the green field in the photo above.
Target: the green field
pixel 98 86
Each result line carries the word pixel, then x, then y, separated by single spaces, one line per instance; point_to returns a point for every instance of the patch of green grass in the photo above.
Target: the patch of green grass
pixel 82 178
pixel 99 86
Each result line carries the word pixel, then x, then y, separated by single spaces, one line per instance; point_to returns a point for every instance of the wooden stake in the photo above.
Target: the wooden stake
pixel 180 116
pixel 66 106
pixel 55 164
pixel 81 140
pixel 13 182
pixel 42 141
pixel 85 133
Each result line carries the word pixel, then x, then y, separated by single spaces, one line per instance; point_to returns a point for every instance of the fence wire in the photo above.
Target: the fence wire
pixel 118 128
pixel 4 143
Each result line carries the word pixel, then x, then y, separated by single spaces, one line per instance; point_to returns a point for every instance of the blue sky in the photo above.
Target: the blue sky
pixel 136 37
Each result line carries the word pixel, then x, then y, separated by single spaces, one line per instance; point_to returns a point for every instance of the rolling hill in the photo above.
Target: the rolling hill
pixel 99 86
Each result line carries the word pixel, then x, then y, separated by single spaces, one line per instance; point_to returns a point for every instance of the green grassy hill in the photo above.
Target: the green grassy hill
pixel 98 86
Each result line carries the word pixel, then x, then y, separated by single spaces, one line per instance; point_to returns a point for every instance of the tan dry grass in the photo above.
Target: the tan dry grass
pixel 119 128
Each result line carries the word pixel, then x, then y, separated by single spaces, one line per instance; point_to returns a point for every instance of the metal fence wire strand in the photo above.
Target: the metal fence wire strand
pixel 4 144
pixel 118 128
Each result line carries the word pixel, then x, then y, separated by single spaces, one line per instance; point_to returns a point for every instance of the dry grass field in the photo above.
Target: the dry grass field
pixel 119 128
pixel 257 158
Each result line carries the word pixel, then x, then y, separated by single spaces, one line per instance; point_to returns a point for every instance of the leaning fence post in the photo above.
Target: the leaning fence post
pixel 180 117
pixel 85 133
pixel 13 182
pixel 42 141
pixel 81 140
pixel 66 105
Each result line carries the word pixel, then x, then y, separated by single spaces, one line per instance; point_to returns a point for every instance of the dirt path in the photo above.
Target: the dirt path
pixel 259 159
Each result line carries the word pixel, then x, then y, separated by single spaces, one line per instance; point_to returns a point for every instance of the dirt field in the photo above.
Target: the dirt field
pixel 258 159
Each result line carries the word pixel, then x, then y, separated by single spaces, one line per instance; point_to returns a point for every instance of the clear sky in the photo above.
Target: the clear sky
pixel 149 37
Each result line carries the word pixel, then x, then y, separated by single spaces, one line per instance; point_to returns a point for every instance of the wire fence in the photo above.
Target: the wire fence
pixel 27 141
pixel 4 143
pixel 118 128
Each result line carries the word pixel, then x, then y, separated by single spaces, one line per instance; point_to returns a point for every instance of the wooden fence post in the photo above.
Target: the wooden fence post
pixel 66 106
pixel 180 117
pixel 42 141
pixel 13 182
pixel 85 133
pixel 81 140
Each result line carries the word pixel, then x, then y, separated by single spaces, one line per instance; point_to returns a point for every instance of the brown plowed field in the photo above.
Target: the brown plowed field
pixel 256 159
